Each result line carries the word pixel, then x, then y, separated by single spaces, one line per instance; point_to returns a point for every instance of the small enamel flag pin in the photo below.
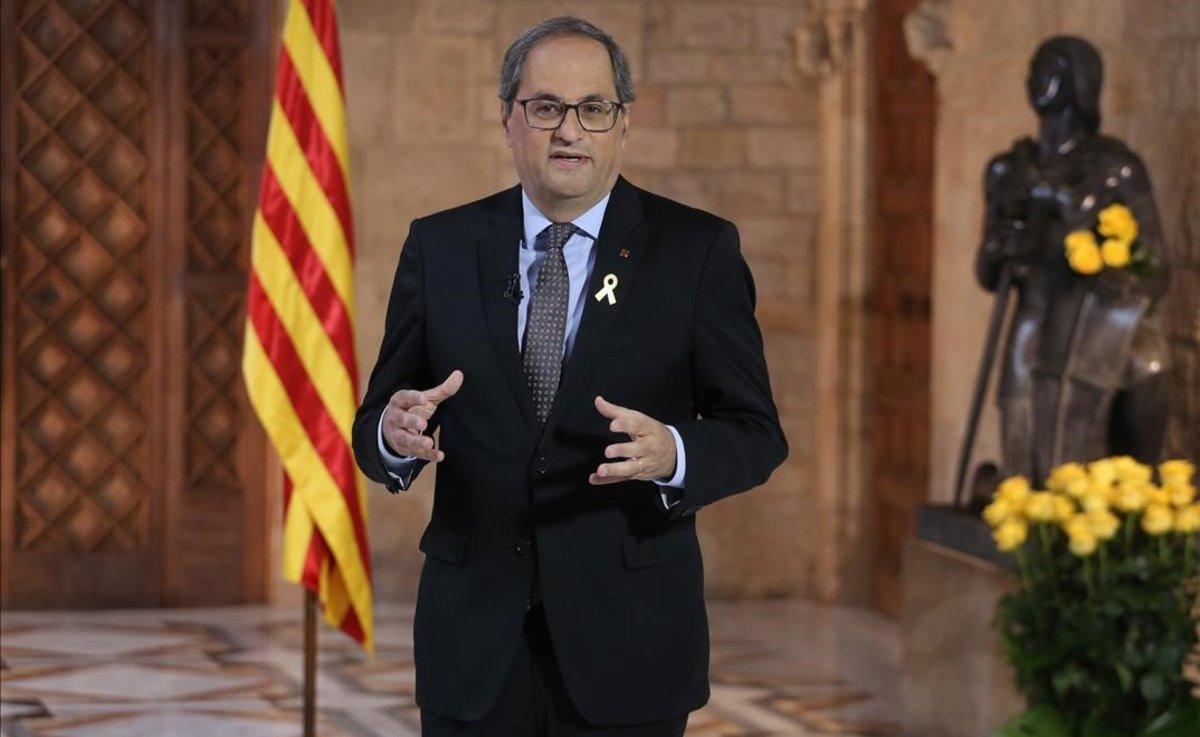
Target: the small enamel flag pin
pixel 610 285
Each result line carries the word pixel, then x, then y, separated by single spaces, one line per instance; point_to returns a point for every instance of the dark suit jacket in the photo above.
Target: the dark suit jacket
pixel 621 577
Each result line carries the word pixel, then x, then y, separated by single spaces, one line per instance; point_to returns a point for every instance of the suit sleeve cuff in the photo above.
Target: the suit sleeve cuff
pixel 398 467
pixel 669 489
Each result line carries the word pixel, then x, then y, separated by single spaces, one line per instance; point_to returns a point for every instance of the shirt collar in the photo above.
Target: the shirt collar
pixel 535 222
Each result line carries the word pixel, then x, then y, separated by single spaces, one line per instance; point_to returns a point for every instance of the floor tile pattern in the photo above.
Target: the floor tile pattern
pixel 778 669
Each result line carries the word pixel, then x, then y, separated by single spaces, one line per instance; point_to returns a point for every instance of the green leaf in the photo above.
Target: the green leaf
pixel 1069 679
pixel 1040 721
pixel 1183 722
pixel 1125 676
pixel 1153 687
pixel 1169 657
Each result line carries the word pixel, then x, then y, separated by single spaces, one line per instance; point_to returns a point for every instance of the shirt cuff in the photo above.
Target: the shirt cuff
pixel 676 480
pixel 396 465
pixel 681 462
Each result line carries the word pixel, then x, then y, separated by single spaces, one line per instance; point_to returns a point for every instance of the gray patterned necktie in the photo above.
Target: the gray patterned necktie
pixel 542 346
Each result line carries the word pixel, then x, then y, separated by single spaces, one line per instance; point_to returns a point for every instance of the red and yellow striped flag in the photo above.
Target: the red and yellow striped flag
pixel 298 361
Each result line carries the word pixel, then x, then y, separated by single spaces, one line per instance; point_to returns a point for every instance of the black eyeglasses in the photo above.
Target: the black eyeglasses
pixel 594 116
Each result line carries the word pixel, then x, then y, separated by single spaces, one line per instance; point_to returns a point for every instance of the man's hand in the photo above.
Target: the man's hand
pixel 407 415
pixel 650 452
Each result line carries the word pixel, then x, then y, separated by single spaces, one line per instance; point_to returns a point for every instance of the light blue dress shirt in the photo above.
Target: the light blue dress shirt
pixel 580 254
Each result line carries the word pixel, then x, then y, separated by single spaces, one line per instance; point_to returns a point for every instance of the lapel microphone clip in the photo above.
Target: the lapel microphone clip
pixel 512 289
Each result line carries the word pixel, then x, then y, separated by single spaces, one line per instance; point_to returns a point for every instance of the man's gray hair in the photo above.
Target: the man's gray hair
pixel 514 58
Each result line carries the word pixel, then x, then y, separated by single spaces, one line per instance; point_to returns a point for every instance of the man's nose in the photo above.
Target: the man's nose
pixel 569 130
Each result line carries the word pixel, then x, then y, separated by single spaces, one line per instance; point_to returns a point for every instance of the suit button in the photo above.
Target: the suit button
pixel 541 465
pixel 521 547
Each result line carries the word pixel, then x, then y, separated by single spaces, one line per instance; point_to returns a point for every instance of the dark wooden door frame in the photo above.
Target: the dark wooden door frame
pixel 902 251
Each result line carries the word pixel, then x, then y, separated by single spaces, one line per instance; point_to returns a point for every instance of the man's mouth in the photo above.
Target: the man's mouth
pixel 566 160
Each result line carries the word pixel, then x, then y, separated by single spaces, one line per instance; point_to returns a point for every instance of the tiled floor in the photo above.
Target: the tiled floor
pixel 778 668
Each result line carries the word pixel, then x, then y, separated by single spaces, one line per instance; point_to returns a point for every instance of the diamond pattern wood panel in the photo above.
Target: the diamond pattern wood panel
pixel 219 15
pixel 133 472
pixel 216 251
pixel 217 246
pixel 80 301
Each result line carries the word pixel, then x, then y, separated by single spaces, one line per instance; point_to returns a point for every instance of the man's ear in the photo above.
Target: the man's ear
pixel 505 117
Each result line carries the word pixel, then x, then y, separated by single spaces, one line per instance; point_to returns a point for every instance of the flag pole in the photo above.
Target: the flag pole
pixel 310 662
pixel 324 545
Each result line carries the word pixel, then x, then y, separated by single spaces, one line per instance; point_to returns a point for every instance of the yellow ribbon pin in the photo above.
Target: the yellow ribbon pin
pixel 610 284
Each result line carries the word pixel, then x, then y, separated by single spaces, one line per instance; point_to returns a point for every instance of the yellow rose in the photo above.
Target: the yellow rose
pixel 1180 494
pixel 1010 535
pixel 1083 545
pixel 1103 471
pixel 1103 523
pixel 1079 488
pixel 1014 489
pixel 1187 520
pixel 1117 221
pixel 1176 471
pixel 1083 540
pixel 1158 519
pixel 1071 479
pixel 1130 497
pixel 1039 507
pixel 1096 500
pixel 1085 259
pixel 1115 253
pixel 1157 495
pixel 1063 508
pixel 1077 524
pixel 1129 469
pixel 1077 239
pixel 998 511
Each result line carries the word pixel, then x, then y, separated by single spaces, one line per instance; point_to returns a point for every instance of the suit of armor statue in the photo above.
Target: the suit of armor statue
pixel 1083 369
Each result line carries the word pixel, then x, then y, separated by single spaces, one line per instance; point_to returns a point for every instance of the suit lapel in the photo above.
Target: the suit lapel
pixel 498 262
pixel 619 232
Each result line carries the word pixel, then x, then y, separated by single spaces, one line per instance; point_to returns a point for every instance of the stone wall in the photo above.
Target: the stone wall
pixel 723 121
pixel 980 51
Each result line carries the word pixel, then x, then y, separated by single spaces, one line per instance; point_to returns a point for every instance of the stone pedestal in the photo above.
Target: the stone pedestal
pixel 956 680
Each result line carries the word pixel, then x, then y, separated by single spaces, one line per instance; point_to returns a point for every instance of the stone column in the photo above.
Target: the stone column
pixel 834 47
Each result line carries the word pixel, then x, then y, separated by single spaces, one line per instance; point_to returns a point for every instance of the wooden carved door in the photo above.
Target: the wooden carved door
pixel 901 262
pixel 131 471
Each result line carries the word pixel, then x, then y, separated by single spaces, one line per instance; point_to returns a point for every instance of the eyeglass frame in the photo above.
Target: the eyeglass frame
pixel 619 107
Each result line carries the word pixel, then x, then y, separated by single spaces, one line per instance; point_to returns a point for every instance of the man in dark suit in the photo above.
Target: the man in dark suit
pixel 567 319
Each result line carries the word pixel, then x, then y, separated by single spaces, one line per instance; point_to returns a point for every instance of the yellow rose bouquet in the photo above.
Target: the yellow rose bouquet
pixel 1111 243
pixel 1106 622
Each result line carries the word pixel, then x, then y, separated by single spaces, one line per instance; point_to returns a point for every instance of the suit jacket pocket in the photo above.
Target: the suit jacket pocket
pixel 675 546
pixel 443 543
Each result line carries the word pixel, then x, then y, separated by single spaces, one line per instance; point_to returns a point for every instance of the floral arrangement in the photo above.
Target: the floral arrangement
pixel 1106 620
pixel 1112 243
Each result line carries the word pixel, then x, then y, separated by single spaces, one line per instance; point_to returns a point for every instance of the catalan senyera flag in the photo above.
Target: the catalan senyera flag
pixel 298 360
